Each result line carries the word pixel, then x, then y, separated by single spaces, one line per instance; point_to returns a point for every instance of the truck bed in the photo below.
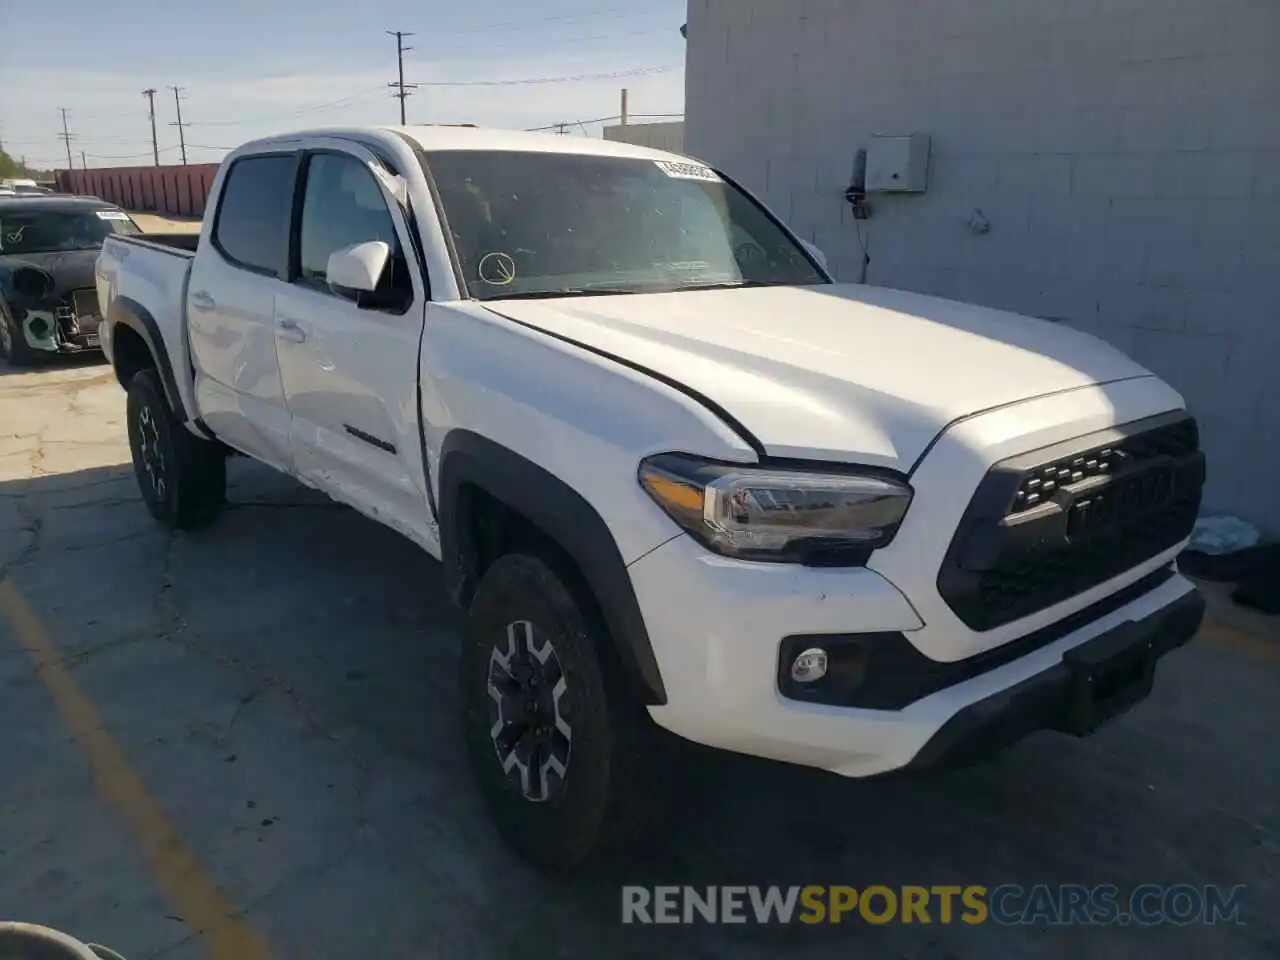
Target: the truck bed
pixel 142 282
pixel 183 244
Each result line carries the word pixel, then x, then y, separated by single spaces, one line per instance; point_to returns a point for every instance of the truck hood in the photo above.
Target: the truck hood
pixel 841 372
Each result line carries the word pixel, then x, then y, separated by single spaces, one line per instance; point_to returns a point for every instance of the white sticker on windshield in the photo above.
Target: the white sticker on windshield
pixel 687 171
pixel 111 215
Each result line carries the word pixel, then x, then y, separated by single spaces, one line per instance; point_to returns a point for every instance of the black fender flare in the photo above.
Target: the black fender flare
pixel 559 511
pixel 129 313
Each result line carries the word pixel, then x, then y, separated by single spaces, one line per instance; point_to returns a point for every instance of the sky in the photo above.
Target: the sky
pixel 248 69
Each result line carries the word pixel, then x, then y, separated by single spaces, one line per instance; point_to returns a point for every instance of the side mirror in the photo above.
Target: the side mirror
pixel 815 252
pixel 357 268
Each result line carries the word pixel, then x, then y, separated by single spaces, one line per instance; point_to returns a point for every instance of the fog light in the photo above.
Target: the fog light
pixel 810 666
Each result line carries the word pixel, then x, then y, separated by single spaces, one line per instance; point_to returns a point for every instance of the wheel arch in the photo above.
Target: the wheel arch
pixel 473 468
pixel 126 314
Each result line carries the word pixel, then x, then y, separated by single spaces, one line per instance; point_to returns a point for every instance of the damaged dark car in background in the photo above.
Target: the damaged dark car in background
pixel 48 248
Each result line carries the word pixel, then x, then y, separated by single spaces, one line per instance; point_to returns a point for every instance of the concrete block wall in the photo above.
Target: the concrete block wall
pixel 1126 154
pixel 659 136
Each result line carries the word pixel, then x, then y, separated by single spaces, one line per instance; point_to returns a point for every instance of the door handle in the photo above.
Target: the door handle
pixel 202 301
pixel 289 330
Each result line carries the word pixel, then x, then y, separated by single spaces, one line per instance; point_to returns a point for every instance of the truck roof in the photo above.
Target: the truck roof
pixel 444 137
pixel 22 203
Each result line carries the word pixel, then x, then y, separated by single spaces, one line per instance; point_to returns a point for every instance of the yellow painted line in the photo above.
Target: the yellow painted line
pixel 197 899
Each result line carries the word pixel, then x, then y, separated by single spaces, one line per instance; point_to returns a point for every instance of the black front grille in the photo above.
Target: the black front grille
pixel 85 302
pixel 1175 440
pixel 1046 526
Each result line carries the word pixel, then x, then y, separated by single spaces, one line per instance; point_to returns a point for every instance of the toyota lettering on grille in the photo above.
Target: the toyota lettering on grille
pixel 1124 499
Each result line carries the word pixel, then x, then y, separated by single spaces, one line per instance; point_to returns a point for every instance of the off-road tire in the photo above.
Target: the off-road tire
pixel 183 479
pixel 616 752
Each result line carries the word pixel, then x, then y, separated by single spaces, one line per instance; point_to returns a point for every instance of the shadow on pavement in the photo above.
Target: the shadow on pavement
pixel 72 361
pixel 307 612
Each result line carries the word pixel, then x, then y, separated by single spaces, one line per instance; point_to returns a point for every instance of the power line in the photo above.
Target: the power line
pixel 402 88
pixel 66 137
pixel 584 123
pixel 45 140
pixel 300 111
pixel 558 42
pixel 578 123
pixel 521 24
pixel 574 78
pixel 371 91
pixel 133 156
pixel 182 140
pixel 150 94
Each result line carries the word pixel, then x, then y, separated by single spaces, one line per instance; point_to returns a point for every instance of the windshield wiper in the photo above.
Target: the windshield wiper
pixel 606 291
pixel 725 284
pixel 568 292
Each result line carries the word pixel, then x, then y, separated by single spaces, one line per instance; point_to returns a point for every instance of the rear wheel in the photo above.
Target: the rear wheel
pixel 183 479
pixel 13 345
pixel 556 743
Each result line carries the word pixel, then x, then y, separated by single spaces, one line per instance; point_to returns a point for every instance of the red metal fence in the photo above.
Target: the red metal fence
pixel 173 191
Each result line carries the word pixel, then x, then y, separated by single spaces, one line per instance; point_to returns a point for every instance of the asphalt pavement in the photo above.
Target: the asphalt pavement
pixel 243 743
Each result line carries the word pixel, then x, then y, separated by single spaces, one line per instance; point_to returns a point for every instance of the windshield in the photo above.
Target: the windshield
pixel 527 224
pixel 49 231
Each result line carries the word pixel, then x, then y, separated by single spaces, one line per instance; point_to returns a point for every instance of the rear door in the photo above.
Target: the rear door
pixel 350 370
pixel 231 301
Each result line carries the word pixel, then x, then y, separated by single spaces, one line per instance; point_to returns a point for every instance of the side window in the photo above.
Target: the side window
pixel 343 205
pixel 252 228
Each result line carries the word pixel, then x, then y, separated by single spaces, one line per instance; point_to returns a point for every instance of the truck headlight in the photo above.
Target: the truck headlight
pixel 822 517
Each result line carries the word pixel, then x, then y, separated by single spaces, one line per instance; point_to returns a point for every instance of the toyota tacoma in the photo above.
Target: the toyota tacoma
pixel 679 478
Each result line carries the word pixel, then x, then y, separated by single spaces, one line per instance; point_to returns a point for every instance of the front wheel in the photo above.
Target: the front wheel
pixel 556 744
pixel 183 479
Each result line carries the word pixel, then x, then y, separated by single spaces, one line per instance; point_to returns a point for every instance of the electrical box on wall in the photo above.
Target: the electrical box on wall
pixel 898 164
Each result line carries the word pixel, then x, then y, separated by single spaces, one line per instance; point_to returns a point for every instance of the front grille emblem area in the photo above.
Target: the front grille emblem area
pixel 1124 498
pixel 1038 488
pixel 1042 530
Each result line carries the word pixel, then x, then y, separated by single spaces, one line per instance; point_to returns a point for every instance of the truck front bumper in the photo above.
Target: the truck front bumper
pixel 1092 683
pixel 56 325
pixel 724 633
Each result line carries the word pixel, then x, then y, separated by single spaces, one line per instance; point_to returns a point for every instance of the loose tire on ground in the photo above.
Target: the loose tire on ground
pixel 613 751
pixel 183 479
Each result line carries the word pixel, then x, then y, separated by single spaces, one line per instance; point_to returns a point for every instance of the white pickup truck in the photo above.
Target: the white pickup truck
pixel 678 477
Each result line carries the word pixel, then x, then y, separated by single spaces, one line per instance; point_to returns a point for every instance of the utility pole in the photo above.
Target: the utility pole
pixel 150 94
pixel 182 140
pixel 84 164
pixel 65 137
pixel 624 106
pixel 402 89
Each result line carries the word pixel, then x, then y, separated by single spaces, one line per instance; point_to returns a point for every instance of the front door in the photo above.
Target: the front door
pixel 350 371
